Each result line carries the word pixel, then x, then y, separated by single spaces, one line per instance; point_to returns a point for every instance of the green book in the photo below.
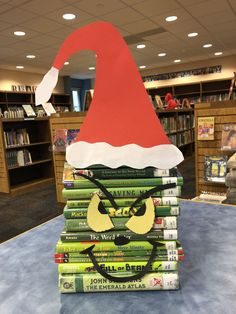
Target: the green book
pixel 94 282
pixel 123 202
pixel 114 267
pixel 119 224
pixel 86 184
pixel 117 254
pixel 101 172
pixel 118 259
pixel 127 192
pixel 160 211
pixel 112 235
pixel 106 246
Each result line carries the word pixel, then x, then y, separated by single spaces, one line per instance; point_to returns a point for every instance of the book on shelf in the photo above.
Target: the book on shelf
pixel 215 168
pixel 135 258
pixel 228 140
pixel 160 211
pixel 110 246
pixel 84 184
pixel 14 112
pixel 94 282
pixel 128 192
pixel 205 128
pixel 60 109
pixel 48 108
pixel 71 136
pixel 115 267
pixel 119 223
pixel 141 254
pixel 29 110
pixel 70 173
pixel 159 234
pixel 16 137
pixel 18 158
pixel 123 202
pixel 59 140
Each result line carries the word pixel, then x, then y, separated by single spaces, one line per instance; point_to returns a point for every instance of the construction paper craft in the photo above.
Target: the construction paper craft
pixel 96 220
pixel 142 224
pixel 121 126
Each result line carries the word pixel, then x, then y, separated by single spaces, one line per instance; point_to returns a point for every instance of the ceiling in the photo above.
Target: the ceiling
pixel 138 21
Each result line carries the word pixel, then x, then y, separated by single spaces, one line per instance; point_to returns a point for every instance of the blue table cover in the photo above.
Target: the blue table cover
pixel 208 275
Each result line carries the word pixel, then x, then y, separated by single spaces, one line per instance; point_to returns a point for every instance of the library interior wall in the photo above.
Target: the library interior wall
pixel 9 78
pixel 228 64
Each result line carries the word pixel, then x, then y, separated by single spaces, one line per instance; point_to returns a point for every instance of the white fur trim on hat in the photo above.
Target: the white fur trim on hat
pixel 83 155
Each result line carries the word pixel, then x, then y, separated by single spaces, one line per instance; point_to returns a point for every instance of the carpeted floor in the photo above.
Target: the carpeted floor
pixel 23 212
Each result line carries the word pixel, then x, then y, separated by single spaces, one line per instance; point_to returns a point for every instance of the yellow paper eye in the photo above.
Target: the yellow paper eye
pixel 97 217
pixel 143 220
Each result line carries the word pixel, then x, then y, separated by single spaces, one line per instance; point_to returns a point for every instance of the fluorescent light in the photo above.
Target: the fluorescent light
pixel 19 33
pixel 69 16
pixel 218 53
pixel 30 56
pixel 192 34
pixel 141 46
pixel 142 66
pixel 207 46
pixel 171 18
pixel 66 63
pixel 91 68
pixel 177 60
pixel 161 54
pixel 19 67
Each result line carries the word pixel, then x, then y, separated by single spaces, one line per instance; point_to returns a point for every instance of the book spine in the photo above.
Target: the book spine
pixel 107 173
pixel 120 224
pixel 112 235
pixel 71 283
pixel 118 192
pixel 160 211
pixel 86 184
pixel 114 267
pixel 162 258
pixel 118 254
pixel 70 247
pixel 158 201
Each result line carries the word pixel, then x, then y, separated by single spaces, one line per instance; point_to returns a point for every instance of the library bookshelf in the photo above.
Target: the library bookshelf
pixel 205 91
pixel 11 103
pixel 25 150
pixel 62 121
pixel 179 126
pixel 224 112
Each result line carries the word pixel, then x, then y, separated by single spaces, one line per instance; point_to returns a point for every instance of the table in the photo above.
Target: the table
pixel 208 275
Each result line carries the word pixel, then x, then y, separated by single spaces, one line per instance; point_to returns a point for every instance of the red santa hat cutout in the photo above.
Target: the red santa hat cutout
pixel 121 126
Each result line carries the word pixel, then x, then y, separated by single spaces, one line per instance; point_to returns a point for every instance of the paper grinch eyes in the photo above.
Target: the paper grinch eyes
pixel 141 222
pixel 99 220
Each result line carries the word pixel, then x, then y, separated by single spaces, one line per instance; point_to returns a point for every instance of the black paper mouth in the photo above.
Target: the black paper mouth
pixel 137 276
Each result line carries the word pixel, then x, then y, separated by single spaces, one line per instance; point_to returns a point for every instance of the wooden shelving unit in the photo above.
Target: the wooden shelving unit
pixel 179 127
pixel 207 91
pixel 16 179
pixel 63 121
pixel 10 99
pixel 224 112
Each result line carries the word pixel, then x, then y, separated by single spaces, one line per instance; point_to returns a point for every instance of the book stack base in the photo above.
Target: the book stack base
pixel 119 259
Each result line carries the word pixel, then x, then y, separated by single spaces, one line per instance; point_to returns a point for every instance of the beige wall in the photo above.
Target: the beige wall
pixel 228 67
pixel 9 78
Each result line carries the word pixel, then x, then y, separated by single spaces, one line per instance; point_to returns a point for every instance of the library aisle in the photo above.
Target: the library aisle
pixel 206 279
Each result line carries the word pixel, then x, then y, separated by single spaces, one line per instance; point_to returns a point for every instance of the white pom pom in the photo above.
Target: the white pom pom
pixel 44 90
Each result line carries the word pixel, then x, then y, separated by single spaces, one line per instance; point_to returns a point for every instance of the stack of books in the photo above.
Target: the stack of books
pixel 113 260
